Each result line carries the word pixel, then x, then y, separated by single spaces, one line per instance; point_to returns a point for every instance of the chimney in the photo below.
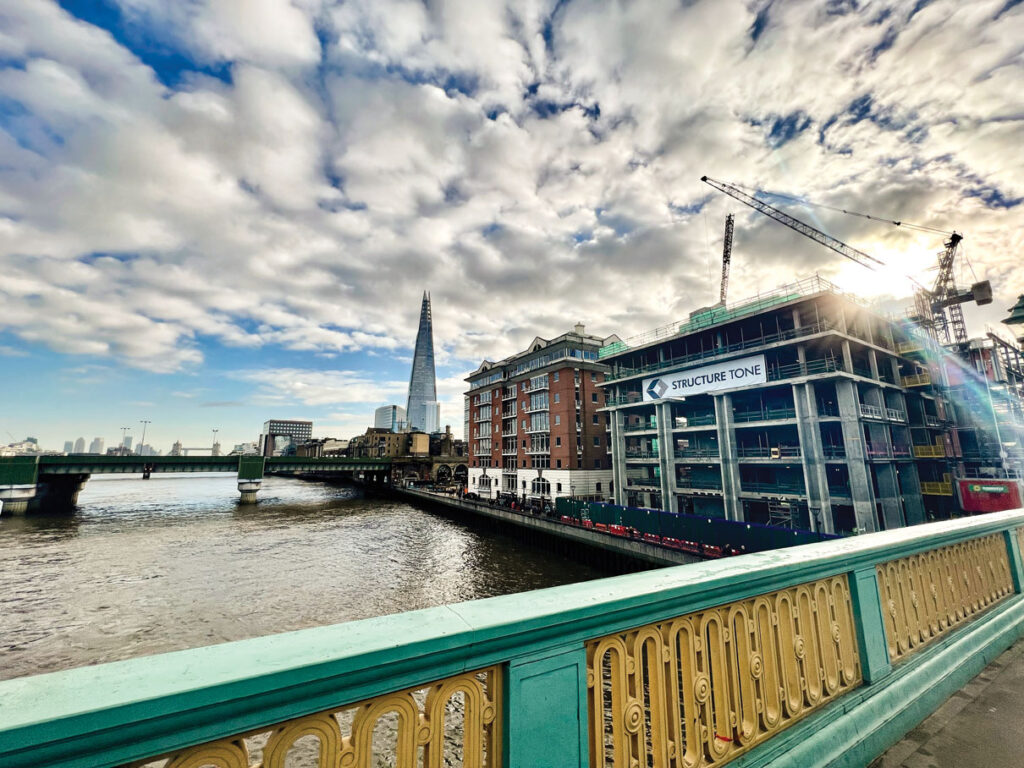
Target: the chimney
pixel 579 329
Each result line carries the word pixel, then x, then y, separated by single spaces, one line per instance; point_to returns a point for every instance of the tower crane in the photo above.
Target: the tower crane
pixel 930 305
pixel 726 257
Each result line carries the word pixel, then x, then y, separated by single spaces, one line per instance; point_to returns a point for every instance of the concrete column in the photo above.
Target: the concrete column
pixel 847 357
pixel 666 457
pixel 856 457
pixel 888 490
pixel 58 494
pixel 618 456
pixel 14 499
pixel 873 364
pixel 813 457
pixel 248 490
pixel 730 462
pixel 910 486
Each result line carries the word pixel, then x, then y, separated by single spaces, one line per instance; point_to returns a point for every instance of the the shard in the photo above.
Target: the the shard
pixel 422 409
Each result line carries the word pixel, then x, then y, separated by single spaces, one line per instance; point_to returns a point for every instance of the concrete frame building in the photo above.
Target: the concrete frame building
pixel 796 407
pixel 533 422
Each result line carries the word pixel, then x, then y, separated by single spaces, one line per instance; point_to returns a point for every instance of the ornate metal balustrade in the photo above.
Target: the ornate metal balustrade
pixel 705 687
pixel 926 595
pixel 812 655
pixel 456 720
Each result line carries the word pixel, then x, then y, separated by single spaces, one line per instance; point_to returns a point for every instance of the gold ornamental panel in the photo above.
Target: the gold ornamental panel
pixel 455 721
pixel 923 596
pixel 703 688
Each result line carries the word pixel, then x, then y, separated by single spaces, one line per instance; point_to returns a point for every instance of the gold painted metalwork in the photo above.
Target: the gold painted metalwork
pixel 456 719
pixel 923 596
pixel 705 687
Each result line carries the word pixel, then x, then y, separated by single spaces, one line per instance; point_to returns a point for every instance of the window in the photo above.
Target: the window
pixel 554 376
pixel 558 419
pixel 597 442
pixel 524 443
pixel 593 376
pixel 558 463
pixel 524 421
pixel 557 399
pixel 524 463
pixel 558 487
pixel 541 486
pixel 593 397
pixel 558 440
pixel 597 463
pixel 597 419
pixel 598 487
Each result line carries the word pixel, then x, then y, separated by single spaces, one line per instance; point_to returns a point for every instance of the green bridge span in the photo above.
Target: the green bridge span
pixel 53 483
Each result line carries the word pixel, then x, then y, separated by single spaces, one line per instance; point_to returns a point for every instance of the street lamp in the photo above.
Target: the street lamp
pixel 145 423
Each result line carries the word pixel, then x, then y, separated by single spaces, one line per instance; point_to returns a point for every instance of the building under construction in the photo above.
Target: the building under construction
pixel 801 407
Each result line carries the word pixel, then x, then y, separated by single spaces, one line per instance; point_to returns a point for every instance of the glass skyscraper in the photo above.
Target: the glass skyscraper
pixel 422 409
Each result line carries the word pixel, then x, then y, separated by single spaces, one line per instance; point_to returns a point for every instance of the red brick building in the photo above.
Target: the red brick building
pixel 534 429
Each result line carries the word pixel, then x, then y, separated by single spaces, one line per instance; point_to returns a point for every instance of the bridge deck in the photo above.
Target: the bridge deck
pixel 979 726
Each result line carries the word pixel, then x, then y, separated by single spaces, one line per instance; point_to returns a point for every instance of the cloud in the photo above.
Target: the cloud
pixel 222 404
pixel 313 166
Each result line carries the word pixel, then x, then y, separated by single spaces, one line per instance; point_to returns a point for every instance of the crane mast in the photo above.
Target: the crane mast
pixel 726 257
pixel 784 218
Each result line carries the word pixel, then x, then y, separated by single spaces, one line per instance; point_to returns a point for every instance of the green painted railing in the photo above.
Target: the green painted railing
pixel 14 470
pixel 864 651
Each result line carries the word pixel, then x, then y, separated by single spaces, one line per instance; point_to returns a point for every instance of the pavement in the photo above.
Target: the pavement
pixel 979 726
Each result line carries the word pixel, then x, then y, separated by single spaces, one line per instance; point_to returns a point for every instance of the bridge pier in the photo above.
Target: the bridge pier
pixel 248 490
pixel 58 493
pixel 14 499
pixel 250 477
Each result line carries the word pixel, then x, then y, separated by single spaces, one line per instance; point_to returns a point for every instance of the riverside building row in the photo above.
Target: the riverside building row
pixel 801 407
pixel 534 422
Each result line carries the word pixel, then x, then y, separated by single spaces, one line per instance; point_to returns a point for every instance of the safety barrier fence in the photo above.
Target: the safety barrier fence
pixel 823 654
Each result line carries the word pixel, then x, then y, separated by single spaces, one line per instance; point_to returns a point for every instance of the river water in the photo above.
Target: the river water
pixel 173 562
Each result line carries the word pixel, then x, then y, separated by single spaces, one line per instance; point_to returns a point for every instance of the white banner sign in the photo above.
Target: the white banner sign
pixel 734 373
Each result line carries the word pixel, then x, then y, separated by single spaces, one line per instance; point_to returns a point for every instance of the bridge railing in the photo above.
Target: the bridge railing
pixel 822 653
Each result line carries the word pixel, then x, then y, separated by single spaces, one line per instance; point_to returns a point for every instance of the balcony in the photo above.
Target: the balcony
pixel 538 409
pixel 922 379
pixel 834 451
pixel 631 398
pixel 506 451
pixel 644 483
pixel 508 432
pixel 878 453
pixel 901 451
pixel 508 394
pixel 937 451
pixel 697 453
pixel 622 372
pixel 789 489
pixel 537 430
pixel 636 454
pixel 909 347
pixel 871 411
pixel 538 451
pixel 536 387
pixel 937 489
pixel 777 452
pixel 641 427
pixel 932 421
pixel 686 484
pixel 696 420
pixel 895 415
pixel 766 414
pixel 842 491
pixel 810 368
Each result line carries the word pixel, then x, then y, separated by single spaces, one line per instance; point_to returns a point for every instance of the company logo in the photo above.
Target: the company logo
pixel 657 389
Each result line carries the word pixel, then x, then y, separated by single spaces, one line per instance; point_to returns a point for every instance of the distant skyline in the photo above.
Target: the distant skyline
pixel 215 212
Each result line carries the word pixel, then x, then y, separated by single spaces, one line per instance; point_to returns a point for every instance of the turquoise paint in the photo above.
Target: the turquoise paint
pixel 110 714
pixel 867 611
pixel 546 711
pixel 1016 561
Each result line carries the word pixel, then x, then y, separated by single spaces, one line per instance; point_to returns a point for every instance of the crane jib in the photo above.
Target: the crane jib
pixel 803 228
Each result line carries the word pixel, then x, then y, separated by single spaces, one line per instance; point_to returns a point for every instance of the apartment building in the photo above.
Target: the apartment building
pixel 534 424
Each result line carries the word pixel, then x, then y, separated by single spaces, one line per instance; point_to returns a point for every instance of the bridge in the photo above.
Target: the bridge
pixel 817 655
pixel 52 483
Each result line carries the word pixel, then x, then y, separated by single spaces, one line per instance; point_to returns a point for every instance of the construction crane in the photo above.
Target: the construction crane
pixel 726 258
pixel 784 218
pixel 930 305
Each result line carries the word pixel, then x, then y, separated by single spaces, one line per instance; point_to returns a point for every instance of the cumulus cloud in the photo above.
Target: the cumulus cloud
pixel 313 166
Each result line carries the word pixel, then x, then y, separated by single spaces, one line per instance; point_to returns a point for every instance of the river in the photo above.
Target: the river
pixel 173 562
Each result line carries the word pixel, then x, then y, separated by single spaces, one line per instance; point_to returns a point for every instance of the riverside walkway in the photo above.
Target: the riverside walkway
pixel 824 654
pixel 979 726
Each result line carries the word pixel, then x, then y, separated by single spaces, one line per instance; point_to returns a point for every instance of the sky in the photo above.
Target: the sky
pixel 216 212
